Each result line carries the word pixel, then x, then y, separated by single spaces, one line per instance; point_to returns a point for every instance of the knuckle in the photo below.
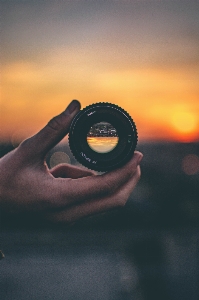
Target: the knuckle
pixel 25 148
pixel 24 144
pixel 55 124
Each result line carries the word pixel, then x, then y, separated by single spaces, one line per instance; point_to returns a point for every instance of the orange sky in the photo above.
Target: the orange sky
pixel 138 57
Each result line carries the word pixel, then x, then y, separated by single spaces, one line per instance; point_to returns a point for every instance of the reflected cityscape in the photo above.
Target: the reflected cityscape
pixel 103 129
pixel 102 137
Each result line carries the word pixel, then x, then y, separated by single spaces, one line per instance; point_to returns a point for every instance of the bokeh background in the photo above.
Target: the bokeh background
pixel 143 56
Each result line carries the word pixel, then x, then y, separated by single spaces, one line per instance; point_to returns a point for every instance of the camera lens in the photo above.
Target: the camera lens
pixel 102 136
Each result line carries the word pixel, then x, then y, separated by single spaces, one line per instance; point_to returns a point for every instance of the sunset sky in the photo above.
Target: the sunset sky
pixel 142 55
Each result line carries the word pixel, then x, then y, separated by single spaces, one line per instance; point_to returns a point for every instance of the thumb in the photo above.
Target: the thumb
pixel 53 132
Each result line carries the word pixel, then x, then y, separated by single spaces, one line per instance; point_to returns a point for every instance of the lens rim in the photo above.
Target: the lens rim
pixel 119 119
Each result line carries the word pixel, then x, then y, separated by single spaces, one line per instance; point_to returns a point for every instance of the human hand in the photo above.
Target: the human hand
pixel 65 193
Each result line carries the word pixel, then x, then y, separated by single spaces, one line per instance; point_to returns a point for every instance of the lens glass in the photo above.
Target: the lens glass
pixel 102 137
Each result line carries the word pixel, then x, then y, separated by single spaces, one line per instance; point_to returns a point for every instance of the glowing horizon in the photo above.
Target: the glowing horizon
pixel 143 57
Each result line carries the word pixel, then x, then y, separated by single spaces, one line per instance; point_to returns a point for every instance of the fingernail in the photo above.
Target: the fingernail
pixel 73 106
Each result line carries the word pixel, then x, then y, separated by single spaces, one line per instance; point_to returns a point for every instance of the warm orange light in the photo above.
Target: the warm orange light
pixel 184 122
pixel 162 102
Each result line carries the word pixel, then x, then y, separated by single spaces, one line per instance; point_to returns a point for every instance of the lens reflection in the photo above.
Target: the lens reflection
pixel 102 137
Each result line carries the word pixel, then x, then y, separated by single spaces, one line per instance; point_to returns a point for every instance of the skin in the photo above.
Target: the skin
pixel 65 193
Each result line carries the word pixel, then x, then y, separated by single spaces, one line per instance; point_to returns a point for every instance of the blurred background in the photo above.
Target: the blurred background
pixel 143 56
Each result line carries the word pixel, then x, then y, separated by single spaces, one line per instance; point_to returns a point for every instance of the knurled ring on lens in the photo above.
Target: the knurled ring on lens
pixel 103 137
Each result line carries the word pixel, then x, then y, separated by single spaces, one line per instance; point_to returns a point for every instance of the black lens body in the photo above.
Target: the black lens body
pixel 124 126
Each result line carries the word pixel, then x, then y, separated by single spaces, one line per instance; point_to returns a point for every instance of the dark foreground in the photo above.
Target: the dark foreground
pixel 147 250
pixel 93 264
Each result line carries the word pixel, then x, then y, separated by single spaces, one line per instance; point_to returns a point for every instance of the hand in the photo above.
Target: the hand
pixel 65 193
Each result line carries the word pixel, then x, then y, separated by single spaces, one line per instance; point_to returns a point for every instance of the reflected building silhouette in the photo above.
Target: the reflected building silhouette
pixel 102 129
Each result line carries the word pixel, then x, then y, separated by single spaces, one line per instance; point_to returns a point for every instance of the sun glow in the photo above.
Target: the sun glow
pixel 185 124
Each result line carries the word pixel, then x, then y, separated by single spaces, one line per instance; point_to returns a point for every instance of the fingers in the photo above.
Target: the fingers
pixel 52 133
pixel 69 171
pixel 63 192
pixel 96 206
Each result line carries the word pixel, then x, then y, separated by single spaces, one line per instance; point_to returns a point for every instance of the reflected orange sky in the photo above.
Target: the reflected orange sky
pixel 102 144
pixel 141 56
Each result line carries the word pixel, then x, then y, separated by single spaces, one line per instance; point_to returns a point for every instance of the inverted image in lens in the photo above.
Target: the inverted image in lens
pixel 102 137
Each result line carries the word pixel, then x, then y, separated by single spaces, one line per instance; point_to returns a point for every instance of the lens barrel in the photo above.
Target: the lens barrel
pixel 99 123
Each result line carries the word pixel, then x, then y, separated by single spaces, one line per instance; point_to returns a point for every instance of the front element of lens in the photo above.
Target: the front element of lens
pixel 102 136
